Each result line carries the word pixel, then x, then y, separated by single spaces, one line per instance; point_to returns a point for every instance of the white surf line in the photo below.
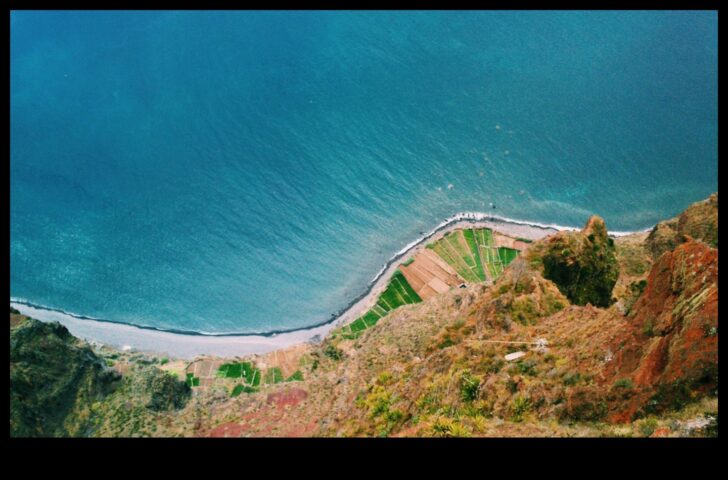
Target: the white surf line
pixel 185 346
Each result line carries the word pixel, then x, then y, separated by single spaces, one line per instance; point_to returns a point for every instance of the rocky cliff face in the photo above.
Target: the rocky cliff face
pixel 669 349
pixel 699 221
pixel 644 366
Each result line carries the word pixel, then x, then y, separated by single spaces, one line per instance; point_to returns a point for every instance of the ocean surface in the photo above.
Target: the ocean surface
pixel 252 171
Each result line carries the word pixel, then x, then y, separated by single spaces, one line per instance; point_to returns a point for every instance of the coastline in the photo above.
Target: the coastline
pixel 188 344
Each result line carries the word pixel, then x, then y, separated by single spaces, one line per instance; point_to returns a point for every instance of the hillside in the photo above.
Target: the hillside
pixel 619 338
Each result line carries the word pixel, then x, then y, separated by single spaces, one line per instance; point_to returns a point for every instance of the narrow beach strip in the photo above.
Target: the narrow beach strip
pixel 188 345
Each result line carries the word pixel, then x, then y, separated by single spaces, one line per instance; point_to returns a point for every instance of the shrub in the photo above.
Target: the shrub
pixel 520 406
pixel 384 378
pixel 527 367
pixel 333 353
pixel 469 386
pixel 572 379
pixel 648 427
pixel 446 342
pixel 623 383
pixel 648 328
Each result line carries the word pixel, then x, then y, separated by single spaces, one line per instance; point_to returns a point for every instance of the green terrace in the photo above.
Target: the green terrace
pixel 252 376
pixel 192 381
pixel 471 252
pixel 398 292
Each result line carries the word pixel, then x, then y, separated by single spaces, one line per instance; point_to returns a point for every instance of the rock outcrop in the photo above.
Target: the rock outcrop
pixel 158 390
pixel 54 380
pixel 669 352
pixel 582 264
pixel 699 221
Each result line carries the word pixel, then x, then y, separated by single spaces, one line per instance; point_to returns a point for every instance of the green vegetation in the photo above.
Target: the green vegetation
pixel 192 381
pixel 245 370
pixel 251 376
pixel 273 375
pixel 297 376
pixel 648 426
pixel 408 261
pixel 473 254
pixel 333 353
pixel 398 292
pixel 469 386
pixel 635 291
pixel 625 383
pixel 378 404
pixel 583 264
pixel 521 405
pixel 242 389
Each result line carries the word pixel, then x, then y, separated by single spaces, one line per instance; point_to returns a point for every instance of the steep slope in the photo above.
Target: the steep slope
pixel 439 368
pixel 54 380
pixel 669 352
pixel 645 365
pixel 59 386
pixel 699 221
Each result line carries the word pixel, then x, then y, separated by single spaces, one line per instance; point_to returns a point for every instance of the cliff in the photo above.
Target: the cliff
pixel 583 265
pixel 699 221
pixel 60 386
pixel 613 341
pixel 54 380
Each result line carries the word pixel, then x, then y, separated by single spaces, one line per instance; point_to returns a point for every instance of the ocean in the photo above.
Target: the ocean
pixel 247 172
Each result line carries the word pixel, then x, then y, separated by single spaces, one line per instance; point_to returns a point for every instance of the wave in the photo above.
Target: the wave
pixel 449 222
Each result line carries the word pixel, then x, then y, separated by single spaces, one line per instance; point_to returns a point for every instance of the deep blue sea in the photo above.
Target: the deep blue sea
pixel 252 171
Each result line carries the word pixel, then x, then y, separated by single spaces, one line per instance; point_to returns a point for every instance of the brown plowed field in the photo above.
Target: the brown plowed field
pixel 429 275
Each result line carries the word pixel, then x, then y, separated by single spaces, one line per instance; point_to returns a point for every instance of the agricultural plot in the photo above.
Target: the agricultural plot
pixel 244 370
pixel 470 255
pixel 192 381
pixel 398 292
pixel 428 274
pixel 474 254
pixel 252 376
pixel 297 376
pixel 273 375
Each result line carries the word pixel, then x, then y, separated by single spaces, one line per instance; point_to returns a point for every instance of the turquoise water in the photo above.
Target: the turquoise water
pixel 252 171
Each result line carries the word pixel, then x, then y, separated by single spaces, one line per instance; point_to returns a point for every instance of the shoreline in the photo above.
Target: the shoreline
pixel 187 344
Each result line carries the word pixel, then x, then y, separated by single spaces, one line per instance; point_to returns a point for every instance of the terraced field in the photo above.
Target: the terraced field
pixel 429 274
pixel 398 292
pixel 461 256
pixel 474 254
